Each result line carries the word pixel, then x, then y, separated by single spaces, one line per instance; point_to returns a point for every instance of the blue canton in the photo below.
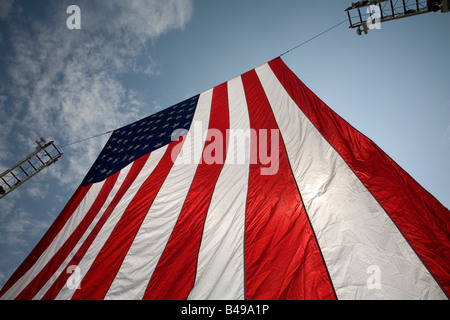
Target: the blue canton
pixel 131 142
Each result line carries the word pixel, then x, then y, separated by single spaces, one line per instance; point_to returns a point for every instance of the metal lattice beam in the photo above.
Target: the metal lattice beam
pixel 362 14
pixel 45 155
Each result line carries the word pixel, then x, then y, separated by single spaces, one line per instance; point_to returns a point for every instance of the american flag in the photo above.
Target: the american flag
pixel 254 189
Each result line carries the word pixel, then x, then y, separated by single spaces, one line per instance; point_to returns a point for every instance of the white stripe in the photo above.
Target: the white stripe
pixel 141 260
pixel 220 270
pixel 63 267
pixel 359 242
pixel 59 240
pixel 89 258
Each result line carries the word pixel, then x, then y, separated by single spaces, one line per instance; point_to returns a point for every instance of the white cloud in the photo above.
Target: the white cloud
pixel 147 19
pixel 15 231
pixel 65 84
pixel 17 225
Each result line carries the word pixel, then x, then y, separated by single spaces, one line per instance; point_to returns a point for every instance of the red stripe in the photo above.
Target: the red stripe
pixel 100 276
pixel 52 266
pixel 64 276
pixel 49 236
pixel 282 257
pixel 174 276
pixel 424 221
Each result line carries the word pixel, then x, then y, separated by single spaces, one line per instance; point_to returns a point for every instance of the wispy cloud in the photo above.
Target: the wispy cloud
pixel 13 232
pixel 67 85
pixel 64 84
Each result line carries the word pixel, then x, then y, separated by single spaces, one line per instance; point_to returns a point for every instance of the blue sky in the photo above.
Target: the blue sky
pixel 133 58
